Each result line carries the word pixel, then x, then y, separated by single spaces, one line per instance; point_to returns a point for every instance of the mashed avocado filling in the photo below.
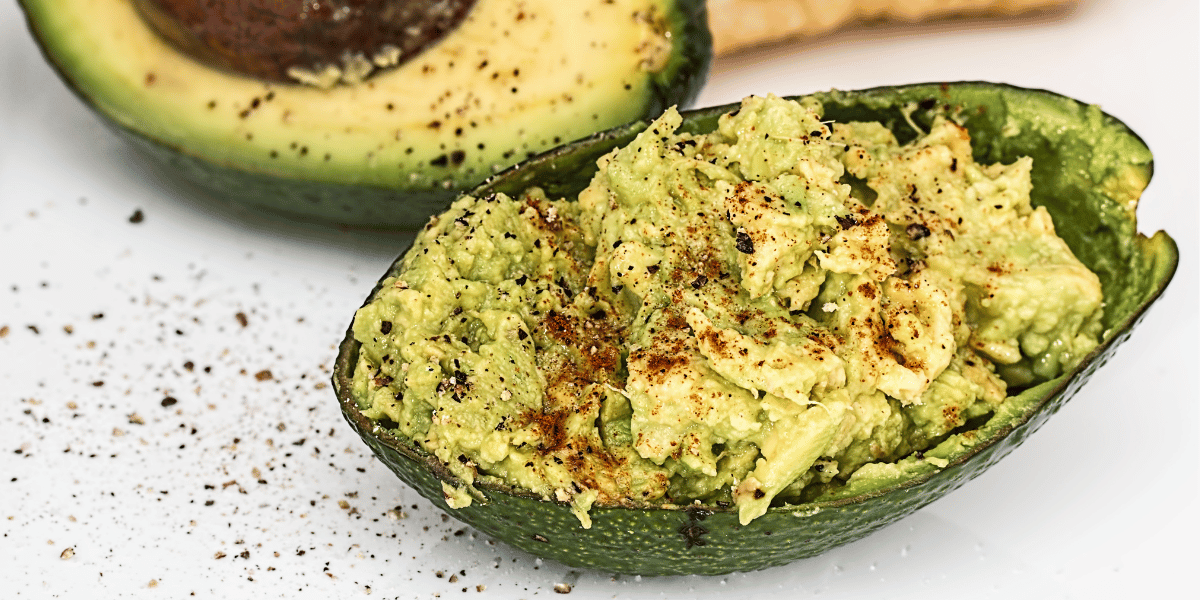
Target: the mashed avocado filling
pixel 740 318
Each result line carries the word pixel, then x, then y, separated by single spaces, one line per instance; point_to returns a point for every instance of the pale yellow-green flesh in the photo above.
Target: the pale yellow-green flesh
pixel 776 332
pixel 491 82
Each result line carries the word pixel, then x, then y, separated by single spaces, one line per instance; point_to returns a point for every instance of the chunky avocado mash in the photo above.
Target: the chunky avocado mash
pixel 735 318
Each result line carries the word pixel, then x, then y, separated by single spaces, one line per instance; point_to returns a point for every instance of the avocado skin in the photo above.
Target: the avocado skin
pixel 363 205
pixel 1076 150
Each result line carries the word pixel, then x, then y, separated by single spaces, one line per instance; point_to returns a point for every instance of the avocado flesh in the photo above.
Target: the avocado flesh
pixel 1089 170
pixel 510 81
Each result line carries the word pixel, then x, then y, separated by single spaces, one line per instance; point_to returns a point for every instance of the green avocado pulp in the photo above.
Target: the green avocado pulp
pixel 1088 172
pixel 753 316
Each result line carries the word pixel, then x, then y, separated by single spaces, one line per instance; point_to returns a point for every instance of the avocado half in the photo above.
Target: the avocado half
pixel 1089 170
pixel 511 80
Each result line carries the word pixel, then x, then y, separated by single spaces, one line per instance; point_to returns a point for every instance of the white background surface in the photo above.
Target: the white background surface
pixel 216 495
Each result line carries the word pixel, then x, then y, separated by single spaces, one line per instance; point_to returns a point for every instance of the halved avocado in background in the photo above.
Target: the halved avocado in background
pixel 506 82
pixel 1089 171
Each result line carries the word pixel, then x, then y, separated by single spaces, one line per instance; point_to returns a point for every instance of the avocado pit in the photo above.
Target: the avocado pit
pixel 313 42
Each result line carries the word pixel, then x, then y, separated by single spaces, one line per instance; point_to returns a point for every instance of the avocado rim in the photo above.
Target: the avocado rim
pixel 1091 193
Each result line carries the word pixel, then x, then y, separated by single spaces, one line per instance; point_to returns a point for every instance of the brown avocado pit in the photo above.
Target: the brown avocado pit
pixel 303 41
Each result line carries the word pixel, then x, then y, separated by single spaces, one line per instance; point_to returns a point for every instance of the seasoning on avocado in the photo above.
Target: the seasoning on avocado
pixel 763 355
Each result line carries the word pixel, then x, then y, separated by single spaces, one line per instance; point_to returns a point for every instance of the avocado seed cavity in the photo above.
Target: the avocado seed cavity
pixel 313 42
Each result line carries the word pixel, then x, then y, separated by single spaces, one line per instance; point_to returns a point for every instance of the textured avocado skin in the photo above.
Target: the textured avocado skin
pixel 1079 149
pixel 361 205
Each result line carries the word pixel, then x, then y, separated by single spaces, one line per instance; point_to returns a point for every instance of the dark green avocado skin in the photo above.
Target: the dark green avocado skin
pixel 364 206
pixel 1075 147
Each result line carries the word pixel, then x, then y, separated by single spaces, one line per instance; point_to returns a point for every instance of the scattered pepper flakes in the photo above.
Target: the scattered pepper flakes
pixel 264 375
pixel 3 331
pixel 137 217
pixel 168 401
pixel 219 555
pixel 153 583
pixel 67 553
pixel 241 319
pixel 136 419
pixel 562 588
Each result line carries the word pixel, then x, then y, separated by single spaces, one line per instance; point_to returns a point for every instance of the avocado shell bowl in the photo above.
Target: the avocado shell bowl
pixel 1088 171
pixel 380 150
